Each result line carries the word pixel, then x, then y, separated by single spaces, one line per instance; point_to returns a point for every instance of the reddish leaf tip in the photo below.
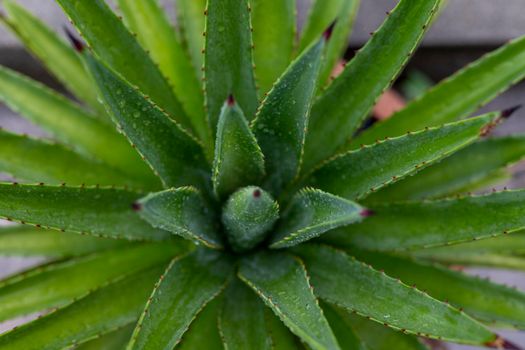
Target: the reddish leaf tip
pixel 328 32
pixel 136 206
pixel 366 213
pixel 501 343
pixel 75 42
pixel 231 100
pixel 257 193
pixel 507 113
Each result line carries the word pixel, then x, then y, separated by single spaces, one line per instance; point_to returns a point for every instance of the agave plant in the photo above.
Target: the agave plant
pixel 248 209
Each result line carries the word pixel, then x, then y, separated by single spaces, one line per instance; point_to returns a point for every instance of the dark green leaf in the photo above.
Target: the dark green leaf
pixel 356 174
pixel 282 338
pixel 104 212
pixel 191 20
pixel 30 241
pixel 183 291
pixel 115 45
pixel 410 225
pixel 101 312
pixel 273 23
pixel 340 110
pixel 228 58
pixel 238 159
pixel 342 330
pixel 173 154
pixel 242 321
pixel 282 282
pixel 184 212
pixel 204 324
pixel 282 120
pixel 312 213
pixel 59 284
pixel 116 340
pixel 341 280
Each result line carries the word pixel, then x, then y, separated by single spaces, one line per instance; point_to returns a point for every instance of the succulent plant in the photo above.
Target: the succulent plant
pixel 249 209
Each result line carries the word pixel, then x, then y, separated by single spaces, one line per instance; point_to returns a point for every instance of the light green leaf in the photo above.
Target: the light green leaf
pixel 342 330
pixel 282 338
pixel 58 56
pixel 480 298
pixel 356 174
pixel 341 280
pixel 156 34
pixel 238 159
pixel 204 323
pixel 410 225
pixel 499 261
pixel 312 213
pixel 29 241
pixel 101 312
pixel 116 340
pixel 104 212
pixel 59 284
pixel 173 154
pixel 340 110
pixel 282 282
pixel 70 124
pixel 183 212
pixel 281 122
pixel 37 160
pixel 242 322
pixel 191 19
pixel 473 165
pixel 172 307
pixel 457 96
pixel 115 45
pixel 273 23
pixel 228 58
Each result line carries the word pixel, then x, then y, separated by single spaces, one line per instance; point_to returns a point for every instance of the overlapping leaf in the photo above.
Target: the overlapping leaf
pixel 191 19
pixel 204 323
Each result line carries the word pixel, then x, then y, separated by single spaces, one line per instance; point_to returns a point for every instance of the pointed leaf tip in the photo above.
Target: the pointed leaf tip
pixel 231 100
pixel 501 343
pixel 75 41
pixel 507 113
pixel 367 213
pixel 327 34
pixel 257 193
pixel 136 206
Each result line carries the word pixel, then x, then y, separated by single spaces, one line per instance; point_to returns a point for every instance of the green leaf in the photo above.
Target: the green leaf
pixel 173 154
pixel 228 66
pixel 411 225
pixel 156 34
pixel 116 340
pixel 59 284
pixel 480 298
pixel 273 23
pixel 282 282
pixel 38 160
pixel 312 213
pixel 341 280
pixel 70 124
pixel 340 110
pixel 459 95
pixel 29 241
pixel 242 322
pixel 58 56
pixel 172 308
pixel 486 260
pixel 191 20
pixel 238 159
pixel 281 122
pixel 377 336
pixel 356 174
pixel 204 323
pixel 104 212
pixel 343 332
pixel 321 15
pixel 470 166
pixel 115 45
pixel 282 338
pixel 416 84
pixel 183 212
pixel 101 312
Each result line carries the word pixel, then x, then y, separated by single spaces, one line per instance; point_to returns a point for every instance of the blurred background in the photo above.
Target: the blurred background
pixel 466 30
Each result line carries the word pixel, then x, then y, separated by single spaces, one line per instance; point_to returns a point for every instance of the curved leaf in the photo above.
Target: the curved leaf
pixel 340 110
pixel 282 338
pixel 191 19
pixel 183 212
pixel 116 47
pixel 411 225
pixel 104 212
pixel 241 321
pixel 312 213
pixel 204 323
pixel 112 341
pixel 228 65
pixel 101 312
pixel 356 174
pixel 281 281
pixel 281 122
pixel 343 332
pixel 172 308
pixel 273 23
pixel 341 280
pixel 59 284
pixel 173 154
pixel 238 159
